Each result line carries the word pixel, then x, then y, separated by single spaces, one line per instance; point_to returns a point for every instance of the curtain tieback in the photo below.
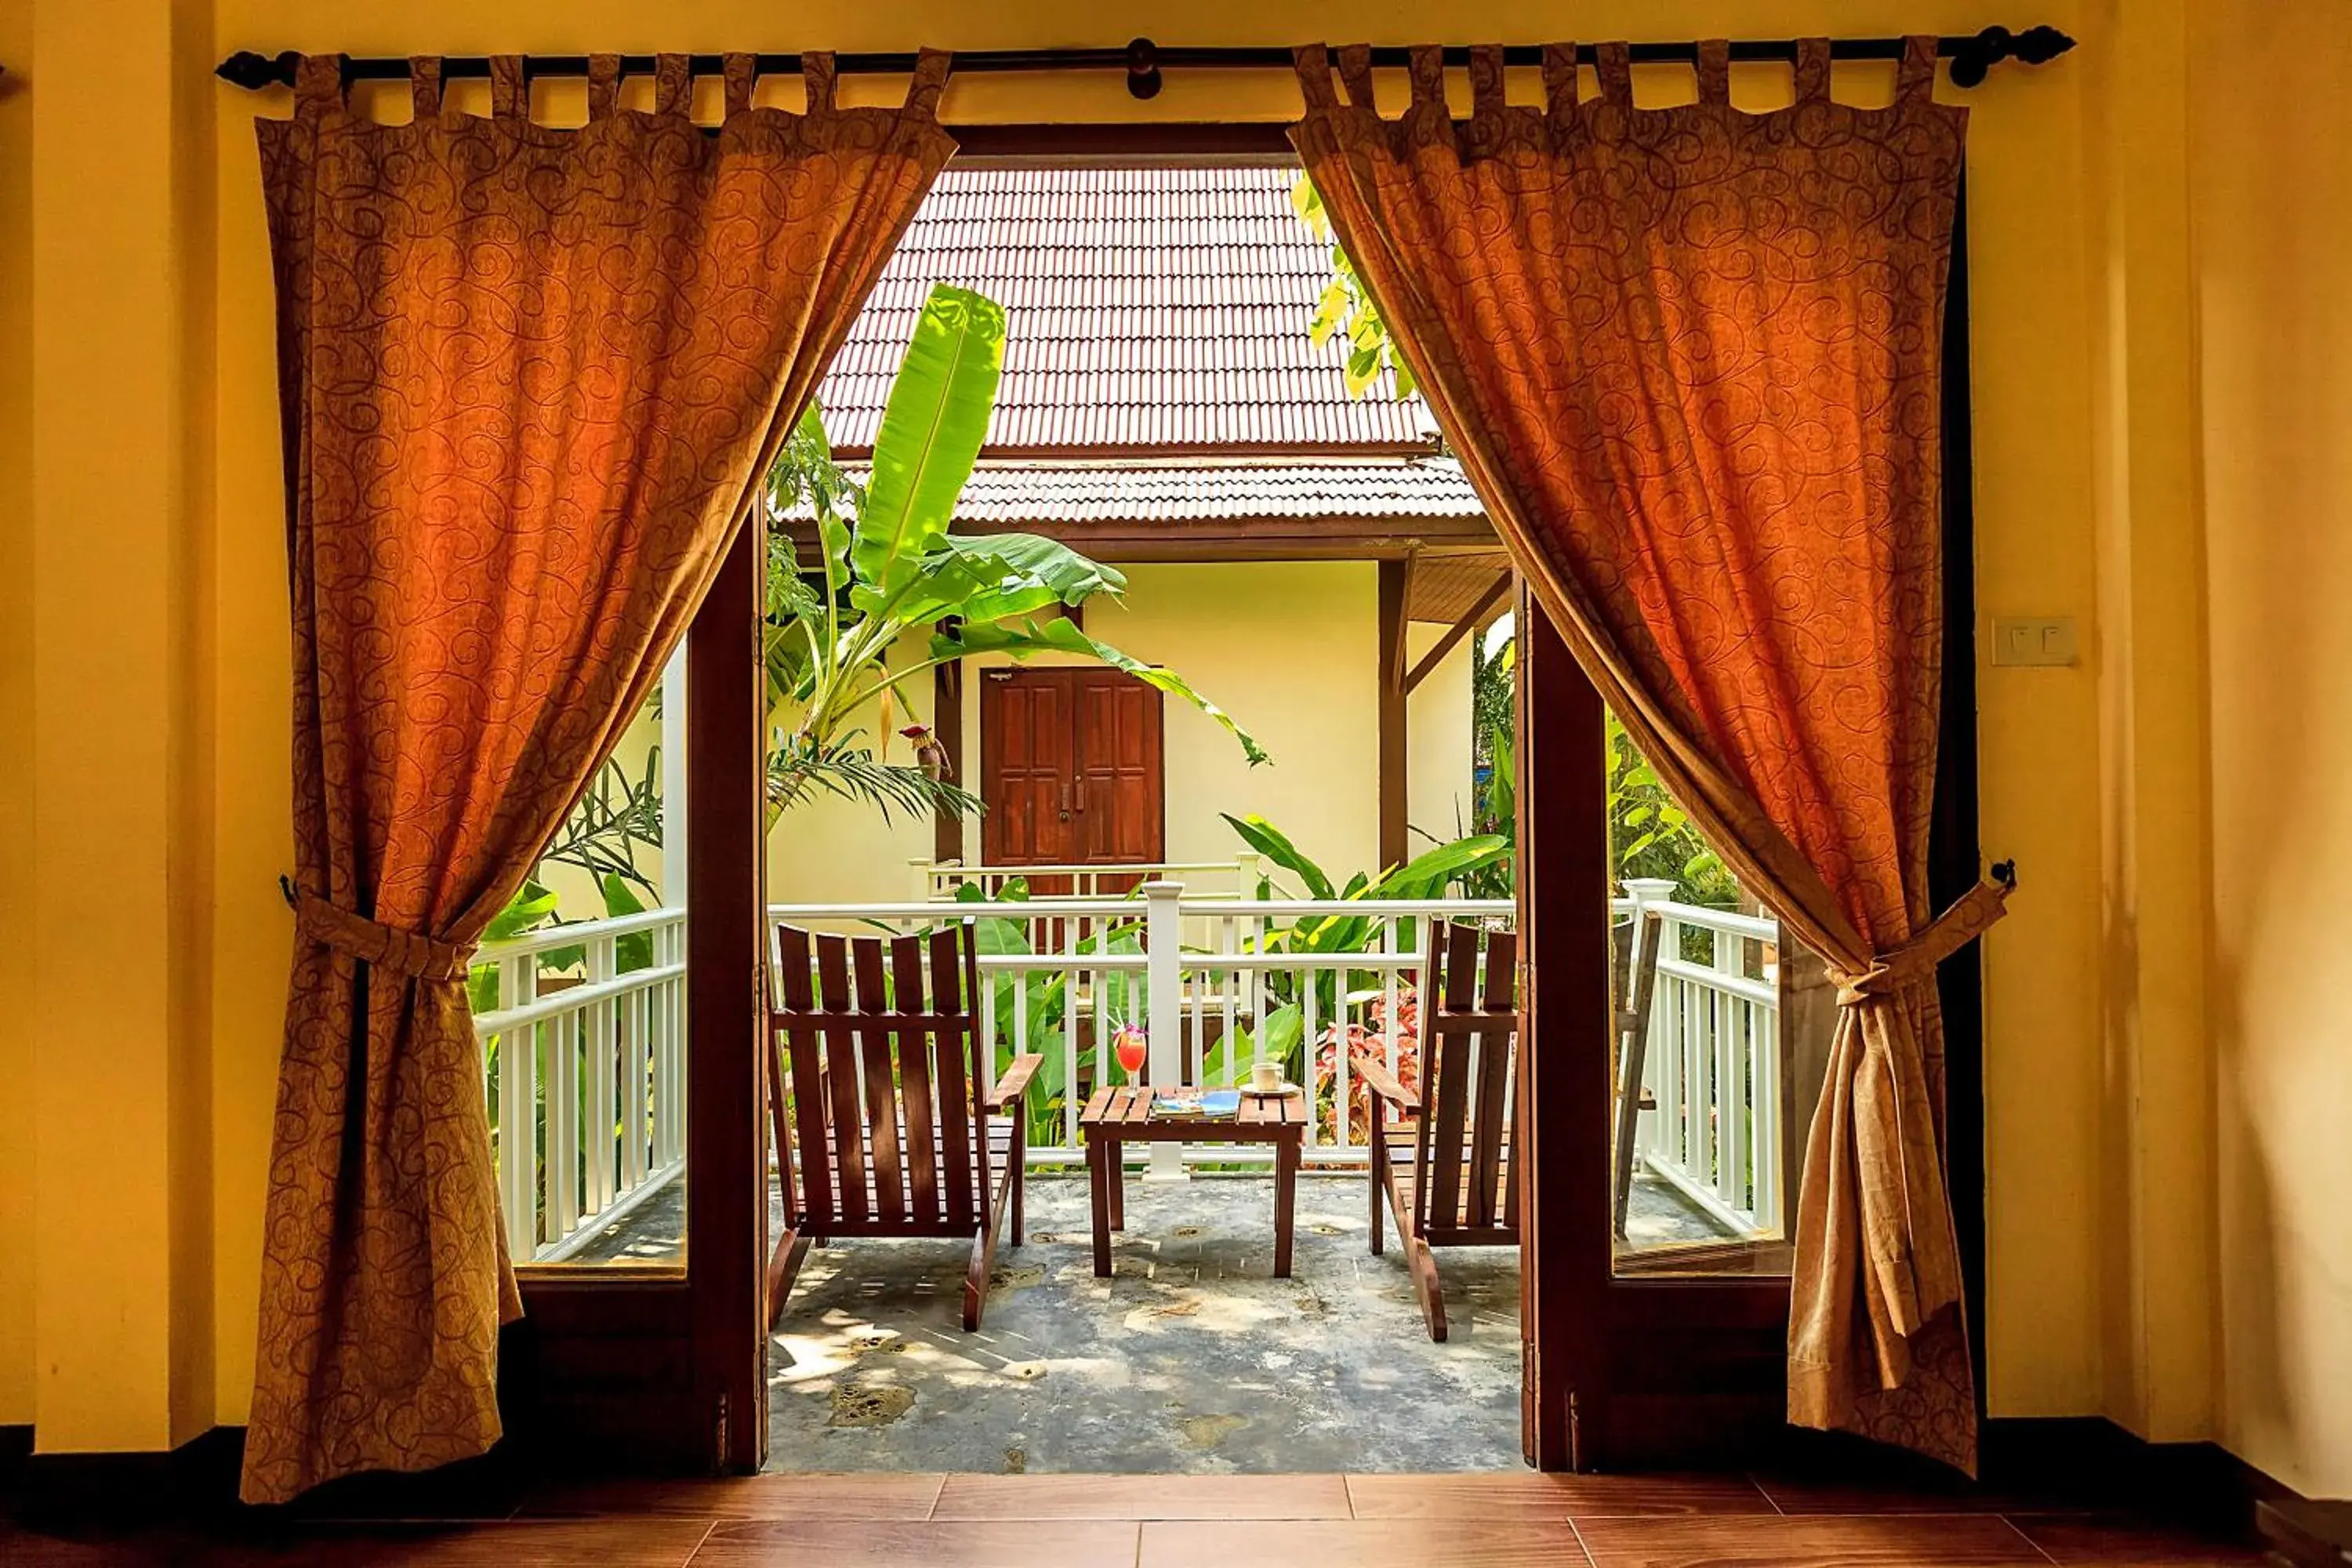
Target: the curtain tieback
pixel 1969 917
pixel 372 943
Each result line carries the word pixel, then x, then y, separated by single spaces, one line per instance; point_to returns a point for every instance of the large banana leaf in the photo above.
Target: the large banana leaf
pixel 1273 843
pixel 1021 638
pixel 1426 875
pixel 930 438
pixel 1002 577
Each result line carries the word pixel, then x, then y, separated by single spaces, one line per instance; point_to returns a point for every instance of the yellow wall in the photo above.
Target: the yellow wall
pixel 2271 177
pixel 1291 648
pixel 1438 798
pixel 162 810
pixel 15 698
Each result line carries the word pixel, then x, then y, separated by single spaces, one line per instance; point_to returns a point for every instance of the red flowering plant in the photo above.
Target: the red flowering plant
pixel 1367 1041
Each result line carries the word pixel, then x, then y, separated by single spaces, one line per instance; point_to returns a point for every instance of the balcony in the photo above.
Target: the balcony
pixel 1195 1357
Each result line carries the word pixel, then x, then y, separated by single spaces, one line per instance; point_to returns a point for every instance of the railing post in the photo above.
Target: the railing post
pixel 920 867
pixel 1163 946
pixel 518 1108
pixel 1248 872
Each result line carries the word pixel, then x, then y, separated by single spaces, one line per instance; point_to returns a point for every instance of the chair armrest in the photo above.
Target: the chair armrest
pixel 1383 1083
pixel 1016 1081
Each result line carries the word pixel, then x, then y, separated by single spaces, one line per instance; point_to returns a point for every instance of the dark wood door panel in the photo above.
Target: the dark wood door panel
pixel 1071 768
pixel 1025 768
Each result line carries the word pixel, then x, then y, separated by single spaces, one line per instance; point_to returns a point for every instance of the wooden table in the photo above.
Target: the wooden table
pixel 1116 1116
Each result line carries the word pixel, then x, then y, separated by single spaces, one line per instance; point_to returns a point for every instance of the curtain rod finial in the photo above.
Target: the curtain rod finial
pixel 249 71
pixel 1975 59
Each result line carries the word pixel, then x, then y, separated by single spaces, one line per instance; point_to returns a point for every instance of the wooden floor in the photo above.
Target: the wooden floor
pixel 1515 1521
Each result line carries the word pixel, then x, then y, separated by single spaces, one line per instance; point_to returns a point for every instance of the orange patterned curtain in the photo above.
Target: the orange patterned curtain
pixel 1690 358
pixel 531 380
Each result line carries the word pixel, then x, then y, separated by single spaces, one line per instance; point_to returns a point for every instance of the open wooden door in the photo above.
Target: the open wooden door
pixel 1623 1372
pixel 660 1367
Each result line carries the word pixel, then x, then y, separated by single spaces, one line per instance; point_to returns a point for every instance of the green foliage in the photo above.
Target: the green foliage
pixel 889 572
pixel 1426 875
pixel 1651 836
pixel 1346 310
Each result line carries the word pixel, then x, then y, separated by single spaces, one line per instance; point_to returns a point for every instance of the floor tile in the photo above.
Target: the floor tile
pixel 1526 1495
pixel 1914 1541
pixel 541 1544
pixel 2072 1539
pixel 1361 1543
pixel 1956 1494
pixel 1143 1497
pixel 971 1543
pixel 878 1495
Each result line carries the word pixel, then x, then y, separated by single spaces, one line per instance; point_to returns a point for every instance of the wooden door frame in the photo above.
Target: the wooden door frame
pixel 658 1368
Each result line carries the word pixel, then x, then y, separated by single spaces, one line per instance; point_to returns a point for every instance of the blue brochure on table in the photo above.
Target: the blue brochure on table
pixel 1205 1103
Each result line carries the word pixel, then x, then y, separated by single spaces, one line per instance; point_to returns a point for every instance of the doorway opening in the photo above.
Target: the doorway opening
pixel 1292 555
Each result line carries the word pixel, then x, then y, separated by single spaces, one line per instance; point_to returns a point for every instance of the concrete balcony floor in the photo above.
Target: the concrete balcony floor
pixel 1191 1359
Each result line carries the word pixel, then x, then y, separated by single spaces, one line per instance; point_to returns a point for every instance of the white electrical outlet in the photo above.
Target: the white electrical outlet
pixel 2042 640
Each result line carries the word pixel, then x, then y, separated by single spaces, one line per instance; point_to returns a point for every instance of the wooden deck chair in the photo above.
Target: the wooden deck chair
pixel 882 1108
pixel 1632 987
pixel 1442 1157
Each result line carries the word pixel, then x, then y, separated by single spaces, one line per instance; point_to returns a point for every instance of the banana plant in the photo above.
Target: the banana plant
pixel 842 632
pixel 1426 875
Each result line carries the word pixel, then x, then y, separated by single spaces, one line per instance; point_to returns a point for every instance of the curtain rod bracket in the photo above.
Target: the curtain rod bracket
pixel 1143 69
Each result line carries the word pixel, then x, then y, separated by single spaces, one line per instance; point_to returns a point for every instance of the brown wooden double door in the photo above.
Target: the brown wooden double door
pixel 1071 767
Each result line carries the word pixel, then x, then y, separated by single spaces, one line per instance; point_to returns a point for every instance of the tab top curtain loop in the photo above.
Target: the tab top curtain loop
pixel 741 74
pixel 424 86
pixel 1714 70
pixel 818 76
pixel 673 85
pixel 603 85
pixel 509 89
pixel 1812 75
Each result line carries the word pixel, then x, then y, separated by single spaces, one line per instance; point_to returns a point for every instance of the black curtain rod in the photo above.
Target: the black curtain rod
pixel 1972 56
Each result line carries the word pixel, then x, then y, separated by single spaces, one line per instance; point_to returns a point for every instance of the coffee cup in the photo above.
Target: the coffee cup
pixel 1266 1077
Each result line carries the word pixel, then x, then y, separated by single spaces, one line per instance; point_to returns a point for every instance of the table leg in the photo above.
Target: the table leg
pixel 1286 1202
pixel 1115 1173
pixel 1098 1191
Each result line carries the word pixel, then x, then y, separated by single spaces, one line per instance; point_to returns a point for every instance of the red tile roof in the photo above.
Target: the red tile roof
pixel 1197 492
pixel 1156 309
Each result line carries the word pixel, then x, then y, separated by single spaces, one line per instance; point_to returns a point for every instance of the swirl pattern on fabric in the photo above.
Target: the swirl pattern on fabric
pixel 529 379
pixel 1690 358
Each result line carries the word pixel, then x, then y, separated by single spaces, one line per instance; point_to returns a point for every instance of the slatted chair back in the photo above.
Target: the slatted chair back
pixel 878 1091
pixel 1462 1179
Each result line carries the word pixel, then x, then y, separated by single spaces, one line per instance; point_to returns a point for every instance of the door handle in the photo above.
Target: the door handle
pixel 1066 800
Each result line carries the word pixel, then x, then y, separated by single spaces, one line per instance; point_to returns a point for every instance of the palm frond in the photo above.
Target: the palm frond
pixel 853 774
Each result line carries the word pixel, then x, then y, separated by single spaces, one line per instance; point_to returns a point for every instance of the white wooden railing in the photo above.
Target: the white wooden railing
pixel 1237 878
pixel 598 1047
pixel 585 1072
pixel 1207 977
pixel 1713 1060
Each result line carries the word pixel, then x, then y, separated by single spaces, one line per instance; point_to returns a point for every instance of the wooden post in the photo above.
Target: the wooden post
pixel 1393 848
pixel 1563 1091
pixel 726 1168
pixel 947 729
